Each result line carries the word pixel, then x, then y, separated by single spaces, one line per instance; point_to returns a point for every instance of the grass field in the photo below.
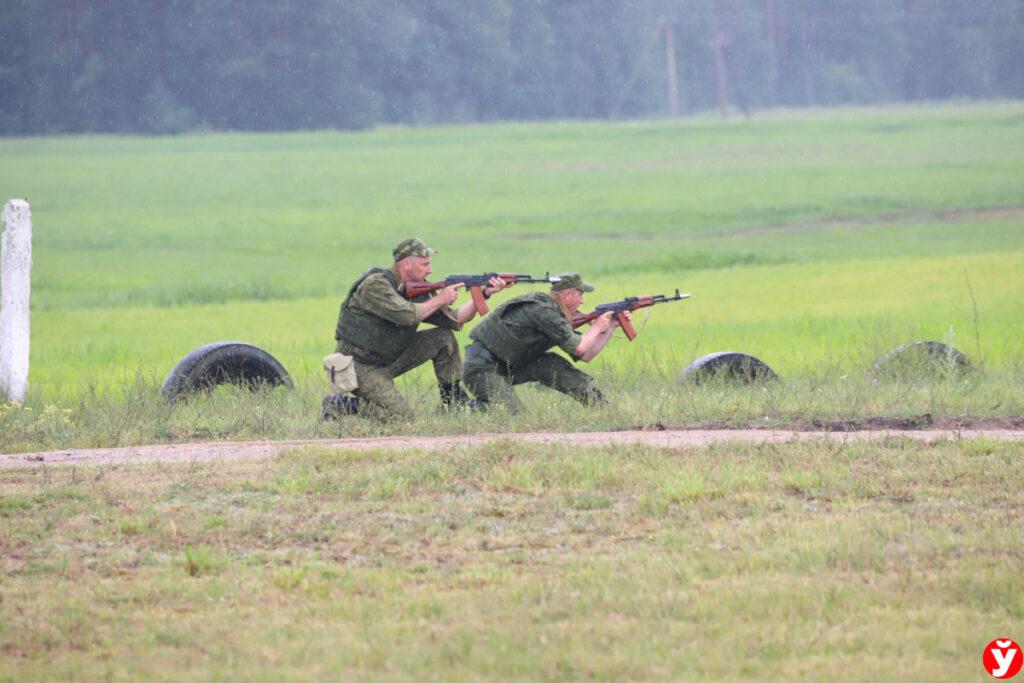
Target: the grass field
pixel 816 241
pixel 805 238
pixel 817 561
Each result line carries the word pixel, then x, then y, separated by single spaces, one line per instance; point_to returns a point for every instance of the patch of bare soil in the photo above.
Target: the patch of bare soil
pixel 955 423
pixel 660 435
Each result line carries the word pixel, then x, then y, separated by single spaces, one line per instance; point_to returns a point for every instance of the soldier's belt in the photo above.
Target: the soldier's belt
pixel 476 350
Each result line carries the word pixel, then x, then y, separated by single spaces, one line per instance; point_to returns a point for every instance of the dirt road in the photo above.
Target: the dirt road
pixel 240 450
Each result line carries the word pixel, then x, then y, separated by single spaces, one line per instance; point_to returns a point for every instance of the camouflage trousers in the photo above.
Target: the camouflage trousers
pixel 492 381
pixel 377 383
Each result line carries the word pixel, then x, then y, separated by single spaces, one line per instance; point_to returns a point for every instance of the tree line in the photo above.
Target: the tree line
pixel 160 66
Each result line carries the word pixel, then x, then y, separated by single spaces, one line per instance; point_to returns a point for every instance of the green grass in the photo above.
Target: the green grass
pixel 815 241
pixel 138 415
pixel 886 561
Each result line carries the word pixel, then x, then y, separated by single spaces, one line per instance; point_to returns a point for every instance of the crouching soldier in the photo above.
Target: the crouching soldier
pixel 377 328
pixel 511 346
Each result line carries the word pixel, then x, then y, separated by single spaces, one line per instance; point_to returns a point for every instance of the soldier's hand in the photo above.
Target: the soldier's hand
pixel 449 294
pixel 496 285
pixel 604 322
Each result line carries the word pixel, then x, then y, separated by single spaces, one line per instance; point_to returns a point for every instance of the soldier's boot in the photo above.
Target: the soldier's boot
pixel 453 396
pixel 336 405
pixel 592 396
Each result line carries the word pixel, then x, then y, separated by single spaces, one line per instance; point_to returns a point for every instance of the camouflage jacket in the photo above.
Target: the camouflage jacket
pixel 376 323
pixel 523 328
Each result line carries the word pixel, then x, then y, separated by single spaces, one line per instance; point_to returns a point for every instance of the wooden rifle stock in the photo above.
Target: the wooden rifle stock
pixel 415 289
pixel 581 319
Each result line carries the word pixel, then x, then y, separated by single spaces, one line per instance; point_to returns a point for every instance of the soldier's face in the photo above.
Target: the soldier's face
pixel 417 268
pixel 572 298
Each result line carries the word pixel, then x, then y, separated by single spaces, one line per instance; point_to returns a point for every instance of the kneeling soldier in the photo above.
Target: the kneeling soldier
pixel 511 346
pixel 377 327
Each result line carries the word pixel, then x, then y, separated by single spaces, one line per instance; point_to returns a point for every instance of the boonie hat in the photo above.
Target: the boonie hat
pixel 571 280
pixel 411 247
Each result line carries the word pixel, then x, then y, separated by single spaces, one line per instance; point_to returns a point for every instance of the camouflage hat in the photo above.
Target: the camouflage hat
pixel 411 247
pixel 569 281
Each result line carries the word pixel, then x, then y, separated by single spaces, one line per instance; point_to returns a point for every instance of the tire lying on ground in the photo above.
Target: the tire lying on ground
pixel 727 365
pixel 922 358
pixel 220 363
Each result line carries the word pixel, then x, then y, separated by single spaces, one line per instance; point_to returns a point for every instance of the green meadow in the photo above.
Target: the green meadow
pixel 888 561
pixel 816 241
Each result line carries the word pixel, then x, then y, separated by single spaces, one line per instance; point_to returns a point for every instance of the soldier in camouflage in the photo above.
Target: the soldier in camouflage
pixel 377 327
pixel 511 346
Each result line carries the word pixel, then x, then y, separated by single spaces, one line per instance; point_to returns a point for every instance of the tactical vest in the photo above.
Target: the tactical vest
pixel 382 340
pixel 514 345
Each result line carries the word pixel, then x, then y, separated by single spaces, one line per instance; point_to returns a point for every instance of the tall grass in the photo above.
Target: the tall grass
pixel 135 414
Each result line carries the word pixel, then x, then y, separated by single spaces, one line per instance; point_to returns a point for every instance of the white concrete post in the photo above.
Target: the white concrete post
pixel 15 283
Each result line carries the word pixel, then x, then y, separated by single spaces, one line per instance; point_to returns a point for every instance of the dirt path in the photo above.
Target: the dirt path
pixel 240 450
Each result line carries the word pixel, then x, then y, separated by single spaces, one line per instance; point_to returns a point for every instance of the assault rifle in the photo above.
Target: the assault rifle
pixel 619 307
pixel 474 283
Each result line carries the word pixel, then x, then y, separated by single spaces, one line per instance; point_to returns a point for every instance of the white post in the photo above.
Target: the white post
pixel 15 283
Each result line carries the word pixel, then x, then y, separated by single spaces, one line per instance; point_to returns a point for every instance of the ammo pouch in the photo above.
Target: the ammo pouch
pixel 341 372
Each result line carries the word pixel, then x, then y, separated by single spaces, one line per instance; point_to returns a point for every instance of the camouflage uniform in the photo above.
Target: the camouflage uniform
pixel 511 347
pixel 377 326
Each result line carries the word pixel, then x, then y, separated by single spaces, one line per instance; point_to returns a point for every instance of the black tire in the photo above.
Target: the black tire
pixel 224 362
pixel 728 365
pixel 922 358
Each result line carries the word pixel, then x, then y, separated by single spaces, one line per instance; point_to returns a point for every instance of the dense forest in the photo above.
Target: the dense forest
pixel 159 66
